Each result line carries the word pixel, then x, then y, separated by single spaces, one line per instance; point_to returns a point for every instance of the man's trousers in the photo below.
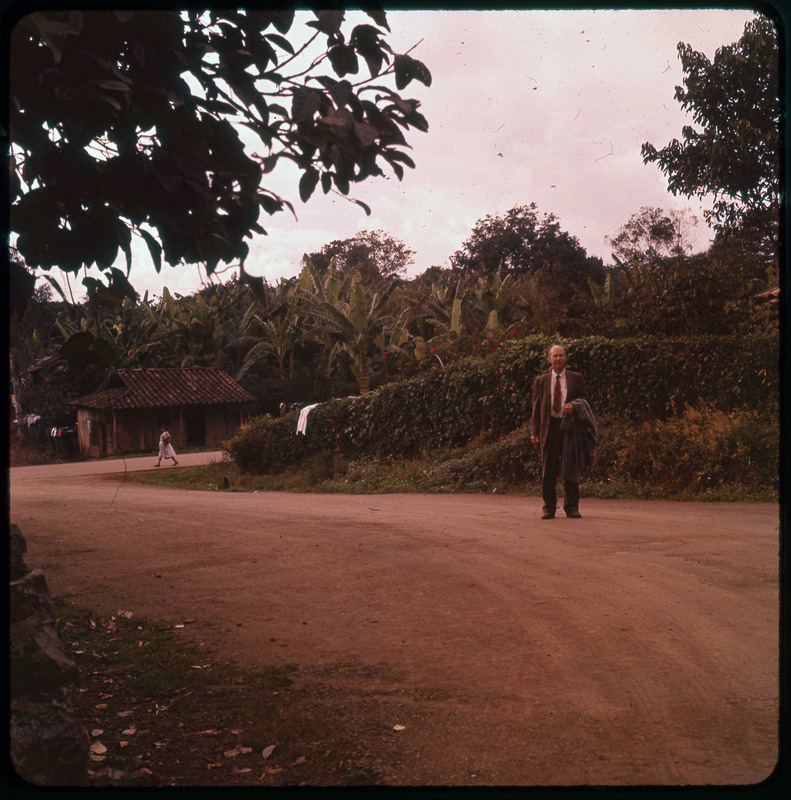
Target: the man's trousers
pixel 553 448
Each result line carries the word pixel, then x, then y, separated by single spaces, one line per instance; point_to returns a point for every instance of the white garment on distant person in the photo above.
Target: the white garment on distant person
pixel 166 448
pixel 302 422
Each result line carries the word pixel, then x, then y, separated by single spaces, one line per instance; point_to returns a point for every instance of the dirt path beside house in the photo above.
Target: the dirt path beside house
pixel 638 645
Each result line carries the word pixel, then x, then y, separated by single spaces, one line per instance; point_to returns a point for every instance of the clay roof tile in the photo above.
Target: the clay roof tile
pixel 151 388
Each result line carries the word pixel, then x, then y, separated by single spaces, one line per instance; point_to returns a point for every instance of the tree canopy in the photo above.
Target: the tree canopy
pixel 127 122
pixel 372 253
pixel 521 242
pixel 734 153
pixel 652 235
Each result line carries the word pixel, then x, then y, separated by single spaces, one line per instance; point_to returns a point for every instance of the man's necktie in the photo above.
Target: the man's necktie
pixel 556 397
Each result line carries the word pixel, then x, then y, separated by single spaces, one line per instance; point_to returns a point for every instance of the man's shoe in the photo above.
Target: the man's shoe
pixel 574 515
pixel 547 515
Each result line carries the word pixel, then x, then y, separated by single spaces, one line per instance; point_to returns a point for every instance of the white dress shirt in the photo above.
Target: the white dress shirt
pixel 563 392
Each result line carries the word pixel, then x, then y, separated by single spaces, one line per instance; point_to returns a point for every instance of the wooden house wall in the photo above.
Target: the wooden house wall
pixel 136 431
pixel 92 431
pixel 221 424
pixel 104 432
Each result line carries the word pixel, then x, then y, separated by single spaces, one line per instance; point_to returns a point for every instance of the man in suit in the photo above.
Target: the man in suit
pixel 553 393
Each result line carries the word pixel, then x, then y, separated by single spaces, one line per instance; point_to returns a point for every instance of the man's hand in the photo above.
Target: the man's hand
pixel 568 408
pixel 534 439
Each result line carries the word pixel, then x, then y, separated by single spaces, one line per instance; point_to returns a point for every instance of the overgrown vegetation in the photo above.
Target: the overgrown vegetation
pixel 665 422
pixel 704 454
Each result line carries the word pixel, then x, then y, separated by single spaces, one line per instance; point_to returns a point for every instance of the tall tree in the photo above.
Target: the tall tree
pixel 522 242
pixel 734 153
pixel 127 122
pixel 374 254
pixel 652 235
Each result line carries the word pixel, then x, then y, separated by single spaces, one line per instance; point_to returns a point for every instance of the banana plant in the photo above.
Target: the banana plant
pixel 350 320
pixel 275 330
pixel 446 303
pixel 493 296
pixel 394 343
pixel 187 331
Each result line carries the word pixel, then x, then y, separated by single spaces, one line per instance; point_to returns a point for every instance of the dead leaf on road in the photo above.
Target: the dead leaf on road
pixel 237 751
pixel 98 751
pixel 271 771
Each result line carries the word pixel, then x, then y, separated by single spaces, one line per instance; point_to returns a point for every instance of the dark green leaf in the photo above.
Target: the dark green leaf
pixel 365 39
pixel 343 60
pixel 120 286
pixel 328 22
pixel 397 155
pixel 154 247
pixel 379 16
pixel 257 285
pixel 281 42
pixel 308 183
pixel 421 72
pixel 83 349
pixel 125 237
pixel 54 283
pixel 367 134
pixel 404 70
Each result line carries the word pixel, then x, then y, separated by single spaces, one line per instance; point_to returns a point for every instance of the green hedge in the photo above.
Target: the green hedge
pixel 659 377
pixel 636 381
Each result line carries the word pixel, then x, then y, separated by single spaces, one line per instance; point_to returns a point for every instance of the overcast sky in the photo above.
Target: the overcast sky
pixel 549 107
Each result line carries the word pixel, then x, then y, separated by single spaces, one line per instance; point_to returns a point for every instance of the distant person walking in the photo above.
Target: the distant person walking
pixel 165 447
pixel 560 403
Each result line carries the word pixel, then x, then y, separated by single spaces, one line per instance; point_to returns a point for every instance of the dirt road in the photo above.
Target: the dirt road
pixel 638 645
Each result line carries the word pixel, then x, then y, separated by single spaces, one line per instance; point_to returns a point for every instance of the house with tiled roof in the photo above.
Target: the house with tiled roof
pixel 200 406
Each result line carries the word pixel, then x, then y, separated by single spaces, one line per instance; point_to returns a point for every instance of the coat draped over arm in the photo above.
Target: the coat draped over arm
pixel 580 435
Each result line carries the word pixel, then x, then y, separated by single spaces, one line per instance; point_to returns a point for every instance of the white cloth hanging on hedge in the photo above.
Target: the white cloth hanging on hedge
pixel 302 422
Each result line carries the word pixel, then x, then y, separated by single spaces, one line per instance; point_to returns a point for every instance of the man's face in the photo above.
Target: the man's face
pixel 557 357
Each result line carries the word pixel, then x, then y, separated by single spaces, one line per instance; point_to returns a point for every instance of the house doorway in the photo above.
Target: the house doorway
pixel 194 427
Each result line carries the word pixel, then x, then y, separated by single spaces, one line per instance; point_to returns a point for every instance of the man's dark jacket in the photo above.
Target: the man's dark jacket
pixel 580 435
pixel 542 404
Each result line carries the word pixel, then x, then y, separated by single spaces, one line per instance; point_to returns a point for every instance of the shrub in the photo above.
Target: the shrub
pixel 703 448
pixel 480 463
pixel 262 445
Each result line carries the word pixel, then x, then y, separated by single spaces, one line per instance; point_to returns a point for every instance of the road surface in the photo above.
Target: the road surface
pixel 637 645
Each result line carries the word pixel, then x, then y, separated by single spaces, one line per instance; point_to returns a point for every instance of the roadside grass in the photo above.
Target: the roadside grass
pixel 160 667
pixel 450 472
pixel 162 710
